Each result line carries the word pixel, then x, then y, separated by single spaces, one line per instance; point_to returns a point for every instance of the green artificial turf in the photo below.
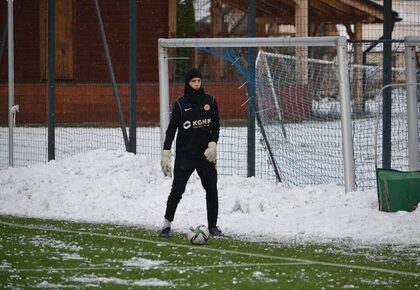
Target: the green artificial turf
pixel 37 253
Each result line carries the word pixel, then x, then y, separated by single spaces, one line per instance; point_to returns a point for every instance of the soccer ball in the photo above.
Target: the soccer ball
pixel 198 235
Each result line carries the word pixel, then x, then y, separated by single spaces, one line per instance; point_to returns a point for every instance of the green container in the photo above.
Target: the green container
pixel 398 190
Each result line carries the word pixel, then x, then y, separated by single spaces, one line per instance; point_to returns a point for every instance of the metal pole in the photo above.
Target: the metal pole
pixel 163 91
pixel 251 90
pixel 413 139
pixel 387 79
pixel 133 74
pixel 317 41
pixel 11 73
pixel 51 79
pixel 270 151
pixel 111 72
pixel 345 108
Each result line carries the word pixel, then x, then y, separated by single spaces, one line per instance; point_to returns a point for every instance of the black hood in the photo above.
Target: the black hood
pixel 194 96
pixel 192 73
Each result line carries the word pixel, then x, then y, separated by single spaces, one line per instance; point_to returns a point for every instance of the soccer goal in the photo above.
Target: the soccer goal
pixel 311 150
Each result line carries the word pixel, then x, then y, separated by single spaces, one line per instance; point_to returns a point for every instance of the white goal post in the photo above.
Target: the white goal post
pixel 413 139
pixel 339 42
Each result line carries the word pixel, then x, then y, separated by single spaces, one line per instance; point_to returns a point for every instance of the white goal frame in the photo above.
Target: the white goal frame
pixel 340 42
pixel 411 86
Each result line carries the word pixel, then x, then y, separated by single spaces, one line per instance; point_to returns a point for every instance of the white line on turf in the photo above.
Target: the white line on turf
pixel 162 243
pixel 177 268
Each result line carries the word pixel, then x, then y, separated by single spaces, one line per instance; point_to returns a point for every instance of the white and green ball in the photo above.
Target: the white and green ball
pixel 198 235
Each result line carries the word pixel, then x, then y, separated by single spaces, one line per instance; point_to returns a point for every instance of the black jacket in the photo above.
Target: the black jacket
pixel 196 117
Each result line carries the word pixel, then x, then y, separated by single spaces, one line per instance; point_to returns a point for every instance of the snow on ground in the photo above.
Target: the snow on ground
pixel 103 186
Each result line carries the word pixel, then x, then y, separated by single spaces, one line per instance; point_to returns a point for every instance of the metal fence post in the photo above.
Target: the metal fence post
pixel 133 75
pixel 51 79
pixel 11 78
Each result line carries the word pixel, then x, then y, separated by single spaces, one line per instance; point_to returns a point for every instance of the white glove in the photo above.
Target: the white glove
pixel 165 162
pixel 211 152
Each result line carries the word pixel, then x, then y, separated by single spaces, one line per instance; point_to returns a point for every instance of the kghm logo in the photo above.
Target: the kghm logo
pixel 201 123
pixel 197 123
pixel 187 125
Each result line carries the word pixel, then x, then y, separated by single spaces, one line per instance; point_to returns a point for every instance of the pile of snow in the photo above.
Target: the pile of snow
pixel 117 187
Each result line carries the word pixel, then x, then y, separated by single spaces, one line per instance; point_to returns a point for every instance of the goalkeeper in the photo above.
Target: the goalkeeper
pixel 196 117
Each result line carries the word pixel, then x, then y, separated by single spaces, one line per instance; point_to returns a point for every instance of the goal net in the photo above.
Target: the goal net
pixel 301 117
pixel 302 145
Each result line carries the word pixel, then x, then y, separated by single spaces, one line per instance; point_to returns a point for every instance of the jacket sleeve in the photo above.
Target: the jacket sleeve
pixel 215 124
pixel 173 126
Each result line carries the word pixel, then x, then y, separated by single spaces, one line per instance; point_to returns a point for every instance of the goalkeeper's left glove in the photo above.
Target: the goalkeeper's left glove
pixel 211 152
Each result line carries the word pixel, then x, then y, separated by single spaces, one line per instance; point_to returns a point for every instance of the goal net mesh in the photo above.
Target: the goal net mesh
pixel 300 116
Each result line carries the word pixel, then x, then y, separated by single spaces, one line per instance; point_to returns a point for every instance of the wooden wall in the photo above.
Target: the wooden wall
pixel 87 61
pixel 26 35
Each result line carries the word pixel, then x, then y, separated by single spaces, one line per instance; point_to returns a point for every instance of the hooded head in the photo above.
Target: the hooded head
pixel 192 94
pixel 192 73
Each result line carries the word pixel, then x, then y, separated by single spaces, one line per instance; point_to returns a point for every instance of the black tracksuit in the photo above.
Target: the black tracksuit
pixel 196 118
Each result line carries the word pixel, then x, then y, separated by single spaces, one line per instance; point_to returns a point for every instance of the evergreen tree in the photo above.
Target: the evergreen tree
pixel 185 28
pixel 185 19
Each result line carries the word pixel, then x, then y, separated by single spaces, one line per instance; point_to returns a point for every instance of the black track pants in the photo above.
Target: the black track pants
pixel 208 175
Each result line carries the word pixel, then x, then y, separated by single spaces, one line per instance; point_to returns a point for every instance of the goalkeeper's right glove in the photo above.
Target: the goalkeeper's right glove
pixel 165 162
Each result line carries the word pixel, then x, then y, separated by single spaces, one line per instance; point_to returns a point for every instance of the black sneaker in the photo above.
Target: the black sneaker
pixel 165 233
pixel 216 232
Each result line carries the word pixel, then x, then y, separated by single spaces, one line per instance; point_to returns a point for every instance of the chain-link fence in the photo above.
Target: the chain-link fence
pixel 86 115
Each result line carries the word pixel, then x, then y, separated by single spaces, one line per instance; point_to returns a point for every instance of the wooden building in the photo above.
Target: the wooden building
pixel 295 18
pixel 301 18
pixel 79 53
pixel 307 18
pixel 81 71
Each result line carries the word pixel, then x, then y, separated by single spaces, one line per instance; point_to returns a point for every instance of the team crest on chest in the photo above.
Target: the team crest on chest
pixel 206 107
